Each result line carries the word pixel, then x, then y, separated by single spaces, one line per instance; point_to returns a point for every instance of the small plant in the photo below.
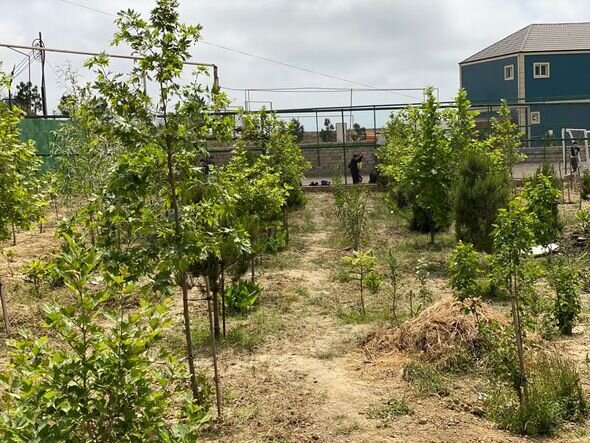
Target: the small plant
pixel 542 196
pixel 394 276
pixel 566 282
pixel 424 293
pixel 394 408
pixel 583 218
pixel 466 272
pixel 351 211
pixel 425 378
pixel 360 266
pixel 241 296
pixel 36 271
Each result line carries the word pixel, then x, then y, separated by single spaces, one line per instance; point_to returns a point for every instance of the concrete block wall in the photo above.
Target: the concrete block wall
pixel 324 161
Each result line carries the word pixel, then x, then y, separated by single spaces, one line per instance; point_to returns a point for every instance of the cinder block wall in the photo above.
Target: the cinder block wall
pixel 325 161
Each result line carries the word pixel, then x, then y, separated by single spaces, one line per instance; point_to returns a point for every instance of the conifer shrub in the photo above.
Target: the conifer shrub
pixel 481 190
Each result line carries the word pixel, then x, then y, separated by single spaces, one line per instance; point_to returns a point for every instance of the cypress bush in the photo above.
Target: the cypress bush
pixel 481 190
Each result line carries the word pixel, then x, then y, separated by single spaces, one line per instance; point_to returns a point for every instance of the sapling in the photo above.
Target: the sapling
pixel 394 276
pixel 360 266
pixel 421 273
pixel 513 238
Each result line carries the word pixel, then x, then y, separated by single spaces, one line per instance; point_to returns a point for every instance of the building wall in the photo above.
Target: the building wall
pixel 484 81
pixel 558 116
pixel 569 77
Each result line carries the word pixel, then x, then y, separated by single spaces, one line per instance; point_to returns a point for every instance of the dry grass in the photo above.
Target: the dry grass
pixel 438 331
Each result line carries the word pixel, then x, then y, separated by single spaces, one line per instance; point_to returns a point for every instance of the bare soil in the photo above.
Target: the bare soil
pixel 306 377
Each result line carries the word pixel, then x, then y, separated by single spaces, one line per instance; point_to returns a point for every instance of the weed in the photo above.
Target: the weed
pixel 555 395
pixel 395 407
pixel 425 378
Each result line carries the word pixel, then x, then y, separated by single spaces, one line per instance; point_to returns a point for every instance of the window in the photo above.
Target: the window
pixel 535 117
pixel 509 72
pixel 541 70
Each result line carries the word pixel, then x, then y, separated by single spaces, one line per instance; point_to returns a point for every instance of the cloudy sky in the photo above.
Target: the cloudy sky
pixel 378 43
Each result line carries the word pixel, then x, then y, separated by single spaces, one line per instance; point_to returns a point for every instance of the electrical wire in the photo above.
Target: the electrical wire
pixel 259 57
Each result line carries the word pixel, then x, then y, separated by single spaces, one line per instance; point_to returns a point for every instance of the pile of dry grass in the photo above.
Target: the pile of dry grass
pixel 439 331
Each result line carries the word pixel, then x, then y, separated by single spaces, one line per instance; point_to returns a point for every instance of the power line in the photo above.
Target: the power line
pixel 259 57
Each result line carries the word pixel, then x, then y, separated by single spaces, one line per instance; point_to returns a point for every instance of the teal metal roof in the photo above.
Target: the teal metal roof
pixel 546 37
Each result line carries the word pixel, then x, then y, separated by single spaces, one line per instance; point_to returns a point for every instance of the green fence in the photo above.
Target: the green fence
pixel 41 131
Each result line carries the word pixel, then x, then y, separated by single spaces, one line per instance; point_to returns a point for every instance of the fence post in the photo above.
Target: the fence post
pixel 4 310
pixel 344 147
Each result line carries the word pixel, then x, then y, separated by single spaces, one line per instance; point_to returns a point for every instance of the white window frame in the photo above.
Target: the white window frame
pixel 509 72
pixel 540 65
pixel 535 118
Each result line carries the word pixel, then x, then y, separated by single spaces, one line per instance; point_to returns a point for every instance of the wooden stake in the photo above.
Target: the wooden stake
pixel 214 350
pixel 4 310
pixel 223 296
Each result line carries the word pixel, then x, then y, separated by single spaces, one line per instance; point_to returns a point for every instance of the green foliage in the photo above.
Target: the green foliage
pixel 506 139
pixel 394 276
pixel 425 378
pixel 351 211
pixel 283 156
pixel 466 275
pixel 362 266
pixel 585 185
pixel 424 293
pixel 20 200
pixel 513 238
pixel 394 408
pixel 241 296
pixel 418 156
pixel 542 198
pixel 555 396
pixel 28 98
pixel 565 280
pixel 481 190
pixel 103 376
pixel 327 133
pixel 583 219
pixel 297 129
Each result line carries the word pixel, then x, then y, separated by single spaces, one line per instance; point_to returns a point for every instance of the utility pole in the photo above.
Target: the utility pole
pixel 43 91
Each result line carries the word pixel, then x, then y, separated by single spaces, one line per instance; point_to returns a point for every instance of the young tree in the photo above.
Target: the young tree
pixel 20 202
pixel 506 139
pixel 542 199
pixel 28 98
pixel 362 267
pixel 513 239
pixel 160 213
pixel 297 129
pixel 328 134
pixel 425 164
pixel 105 378
pixel 480 191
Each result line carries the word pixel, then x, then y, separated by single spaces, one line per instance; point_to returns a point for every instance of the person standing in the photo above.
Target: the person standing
pixel 355 168
pixel 574 156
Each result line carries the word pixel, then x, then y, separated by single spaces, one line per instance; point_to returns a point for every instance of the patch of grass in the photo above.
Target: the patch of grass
pixel 355 317
pixel 394 408
pixel 243 332
pixel 425 379
pixel 555 396
pixel 302 221
pixel 282 261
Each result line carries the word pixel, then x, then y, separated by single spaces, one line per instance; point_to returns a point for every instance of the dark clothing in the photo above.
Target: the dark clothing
pixel 355 170
pixel 574 151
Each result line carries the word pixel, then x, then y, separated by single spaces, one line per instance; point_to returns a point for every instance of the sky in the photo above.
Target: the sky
pixel 386 44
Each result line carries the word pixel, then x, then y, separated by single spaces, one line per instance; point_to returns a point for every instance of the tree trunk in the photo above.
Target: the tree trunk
pixel 286 224
pixel 214 351
pixel 189 340
pixel 4 310
pixel 523 393
pixel 362 295
pixel 213 281
pixel 223 296
pixel 432 235
pixel 13 234
pixel 252 270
